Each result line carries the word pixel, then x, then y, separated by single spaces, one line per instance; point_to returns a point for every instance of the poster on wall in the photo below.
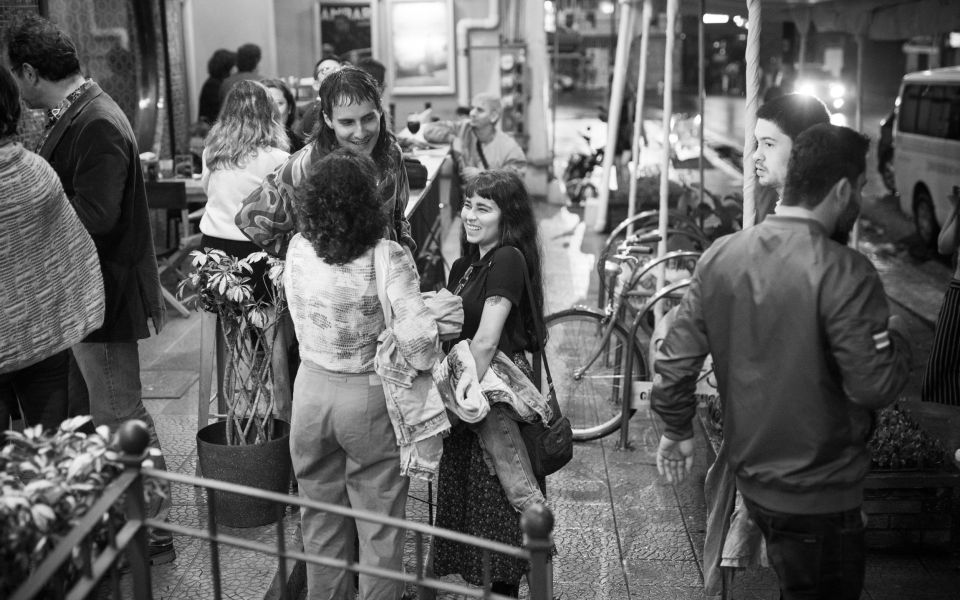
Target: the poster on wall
pixel 347 29
pixel 421 47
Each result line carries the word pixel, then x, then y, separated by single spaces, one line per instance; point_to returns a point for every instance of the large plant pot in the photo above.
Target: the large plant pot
pixel 265 466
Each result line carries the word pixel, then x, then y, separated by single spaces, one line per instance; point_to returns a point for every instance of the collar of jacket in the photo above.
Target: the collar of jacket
pixel 66 120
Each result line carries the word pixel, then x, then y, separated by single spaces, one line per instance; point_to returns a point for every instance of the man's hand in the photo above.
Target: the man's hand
pixel 675 459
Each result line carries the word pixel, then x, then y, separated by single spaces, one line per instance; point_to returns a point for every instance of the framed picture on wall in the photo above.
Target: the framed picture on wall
pixel 421 59
pixel 347 28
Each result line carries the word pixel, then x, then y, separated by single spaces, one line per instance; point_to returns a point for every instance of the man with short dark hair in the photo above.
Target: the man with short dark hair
pixel 90 144
pixel 804 349
pixel 248 58
pixel 779 122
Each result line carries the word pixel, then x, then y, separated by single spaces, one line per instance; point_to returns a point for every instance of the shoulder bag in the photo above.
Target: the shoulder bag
pixel 550 445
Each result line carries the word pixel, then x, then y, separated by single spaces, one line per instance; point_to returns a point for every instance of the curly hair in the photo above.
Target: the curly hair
pixel 518 228
pixel 46 47
pixel 340 214
pixel 249 121
pixel 821 156
pixel 346 86
pixel 9 103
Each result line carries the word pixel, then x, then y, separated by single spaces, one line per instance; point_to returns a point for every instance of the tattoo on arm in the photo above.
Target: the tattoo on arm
pixel 494 300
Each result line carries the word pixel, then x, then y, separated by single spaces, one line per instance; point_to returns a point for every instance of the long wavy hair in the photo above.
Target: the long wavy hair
pixel 518 228
pixel 248 122
pixel 340 214
pixel 346 86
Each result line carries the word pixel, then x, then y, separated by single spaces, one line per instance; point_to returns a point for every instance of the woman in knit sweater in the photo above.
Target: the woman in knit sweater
pixel 342 442
pixel 51 289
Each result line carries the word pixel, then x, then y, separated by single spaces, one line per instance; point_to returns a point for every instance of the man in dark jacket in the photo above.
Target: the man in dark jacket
pixel 248 58
pixel 804 349
pixel 90 144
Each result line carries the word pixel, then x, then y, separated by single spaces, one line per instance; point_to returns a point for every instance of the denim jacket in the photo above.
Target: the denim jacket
pixel 502 398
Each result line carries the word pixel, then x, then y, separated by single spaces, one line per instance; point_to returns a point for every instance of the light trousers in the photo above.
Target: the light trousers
pixel 344 452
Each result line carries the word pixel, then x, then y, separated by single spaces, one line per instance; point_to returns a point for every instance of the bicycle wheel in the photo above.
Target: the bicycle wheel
pixel 589 369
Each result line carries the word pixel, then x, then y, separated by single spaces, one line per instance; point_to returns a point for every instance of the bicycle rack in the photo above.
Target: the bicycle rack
pixel 627 391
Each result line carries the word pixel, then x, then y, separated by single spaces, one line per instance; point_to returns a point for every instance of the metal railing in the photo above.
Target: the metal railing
pixel 131 539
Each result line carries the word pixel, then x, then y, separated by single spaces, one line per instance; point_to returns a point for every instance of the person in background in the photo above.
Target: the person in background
pixel 248 58
pixel 342 443
pixel 91 145
pixel 804 351
pixel 496 215
pixel 478 143
pixel 352 118
pixel 218 69
pixel 779 122
pixel 246 143
pixel 283 98
pixel 941 379
pixel 375 68
pixel 46 305
pixel 328 63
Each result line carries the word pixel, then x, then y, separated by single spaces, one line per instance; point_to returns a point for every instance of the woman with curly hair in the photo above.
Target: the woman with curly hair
pixel 287 106
pixel 245 144
pixel 342 442
pixel 353 118
pixel 497 217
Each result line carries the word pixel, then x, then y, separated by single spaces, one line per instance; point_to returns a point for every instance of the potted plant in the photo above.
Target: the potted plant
pixel 48 482
pixel 250 446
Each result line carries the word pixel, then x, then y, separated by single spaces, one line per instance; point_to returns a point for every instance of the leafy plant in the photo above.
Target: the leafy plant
pixel 250 325
pixel 48 482
pixel 900 443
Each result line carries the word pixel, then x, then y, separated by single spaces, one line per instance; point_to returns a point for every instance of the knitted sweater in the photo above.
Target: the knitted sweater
pixel 51 288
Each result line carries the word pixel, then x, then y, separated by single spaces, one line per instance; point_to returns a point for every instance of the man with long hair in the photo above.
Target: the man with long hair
pixel 353 118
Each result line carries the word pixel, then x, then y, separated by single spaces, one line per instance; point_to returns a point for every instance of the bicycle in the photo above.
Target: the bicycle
pixel 600 357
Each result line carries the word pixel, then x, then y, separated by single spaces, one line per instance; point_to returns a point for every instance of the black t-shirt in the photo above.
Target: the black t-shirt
pixel 500 273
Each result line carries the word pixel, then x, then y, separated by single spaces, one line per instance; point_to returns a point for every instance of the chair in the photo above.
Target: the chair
pixel 171 197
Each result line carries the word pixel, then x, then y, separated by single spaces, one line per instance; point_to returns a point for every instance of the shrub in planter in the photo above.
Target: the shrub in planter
pixel 899 442
pixel 48 481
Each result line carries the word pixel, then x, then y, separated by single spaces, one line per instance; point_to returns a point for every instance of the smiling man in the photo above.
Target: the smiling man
pixel 779 122
pixel 353 118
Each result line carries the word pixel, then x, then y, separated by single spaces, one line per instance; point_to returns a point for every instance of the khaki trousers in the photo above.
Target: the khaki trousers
pixel 344 452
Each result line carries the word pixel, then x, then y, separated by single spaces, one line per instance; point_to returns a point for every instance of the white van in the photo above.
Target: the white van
pixel 926 141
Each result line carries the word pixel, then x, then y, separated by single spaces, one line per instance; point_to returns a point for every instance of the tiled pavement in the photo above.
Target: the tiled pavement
pixel 620 531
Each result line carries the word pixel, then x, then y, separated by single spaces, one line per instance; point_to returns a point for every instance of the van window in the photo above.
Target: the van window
pixel 931 110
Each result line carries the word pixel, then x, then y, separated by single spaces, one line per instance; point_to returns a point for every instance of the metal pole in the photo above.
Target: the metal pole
pixel 638 112
pixel 627 18
pixel 672 6
pixel 855 234
pixel 701 86
pixel 750 111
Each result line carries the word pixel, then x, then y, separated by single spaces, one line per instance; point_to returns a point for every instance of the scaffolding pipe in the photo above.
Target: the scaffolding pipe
pixel 750 112
pixel 701 88
pixel 627 19
pixel 672 7
pixel 645 17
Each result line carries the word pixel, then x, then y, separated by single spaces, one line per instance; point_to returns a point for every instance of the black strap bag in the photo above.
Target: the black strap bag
pixel 549 445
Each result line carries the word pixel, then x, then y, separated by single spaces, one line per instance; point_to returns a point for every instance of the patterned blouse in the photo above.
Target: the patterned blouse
pixel 337 315
pixel 267 217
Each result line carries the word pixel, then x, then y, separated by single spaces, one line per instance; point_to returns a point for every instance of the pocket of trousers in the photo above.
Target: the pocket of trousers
pixel 796 557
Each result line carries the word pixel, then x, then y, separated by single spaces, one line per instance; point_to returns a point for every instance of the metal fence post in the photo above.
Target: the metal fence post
pixel 537 525
pixel 134 439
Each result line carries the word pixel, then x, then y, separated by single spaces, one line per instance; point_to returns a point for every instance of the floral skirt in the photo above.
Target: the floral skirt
pixel 470 500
